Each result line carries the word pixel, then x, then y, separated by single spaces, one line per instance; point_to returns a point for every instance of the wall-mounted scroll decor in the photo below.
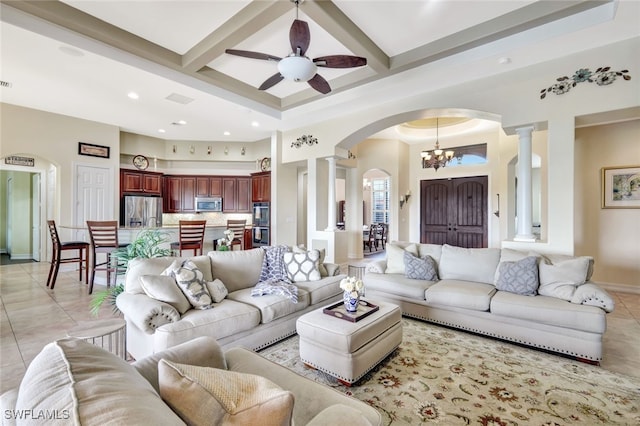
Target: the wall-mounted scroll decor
pixel 603 76
pixel 304 140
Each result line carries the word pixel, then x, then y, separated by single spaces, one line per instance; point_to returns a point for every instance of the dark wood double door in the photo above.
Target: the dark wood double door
pixel 454 211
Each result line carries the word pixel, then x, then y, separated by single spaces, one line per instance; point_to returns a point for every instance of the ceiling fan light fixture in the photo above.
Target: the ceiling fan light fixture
pixel 297 68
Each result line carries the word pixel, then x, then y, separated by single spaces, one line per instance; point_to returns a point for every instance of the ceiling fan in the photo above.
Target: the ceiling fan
pixel 298 67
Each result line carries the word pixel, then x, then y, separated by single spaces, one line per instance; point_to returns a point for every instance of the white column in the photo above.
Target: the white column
pixel 524 192
pixel 331 196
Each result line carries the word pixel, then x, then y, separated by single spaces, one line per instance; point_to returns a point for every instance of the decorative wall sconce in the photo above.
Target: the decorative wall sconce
pixel 405 198
pixel 209 150
pixel 351 155
pixel 304 140
pixel 366 184
pixel 192 149
pixel 175 149
pixel 226 150
pixel 497 212
pixel 243 151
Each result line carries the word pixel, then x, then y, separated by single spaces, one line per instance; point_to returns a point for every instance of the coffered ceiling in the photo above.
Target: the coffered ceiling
pixel 82 58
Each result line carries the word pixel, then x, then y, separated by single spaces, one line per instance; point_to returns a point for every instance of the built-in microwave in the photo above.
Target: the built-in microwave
pixel 208 204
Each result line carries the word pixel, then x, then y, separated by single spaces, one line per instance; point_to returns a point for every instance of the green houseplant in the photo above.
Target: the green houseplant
pixel 146 245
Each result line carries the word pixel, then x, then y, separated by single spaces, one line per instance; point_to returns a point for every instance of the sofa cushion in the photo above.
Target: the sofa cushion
pixel 154 266
pixel 302 266
pixel 461 294
pixel 191 281
pixel 469 264
pixel 165 289
pixel 549 310
pixel 323 289
pixel 69 374
pixel 212 396
pixel 592 295
pixel 561 279
pixel 395 257
pixel 520 277
pixel 217 290
pixel 553 258
pixel 397 284
pixel 321 266
pixel 420 268
pixel 510 255
pixel 271 306
pixel 433 250
pixel 237 269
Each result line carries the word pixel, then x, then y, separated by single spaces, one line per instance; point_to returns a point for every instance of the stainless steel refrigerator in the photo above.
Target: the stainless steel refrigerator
pixel 141 212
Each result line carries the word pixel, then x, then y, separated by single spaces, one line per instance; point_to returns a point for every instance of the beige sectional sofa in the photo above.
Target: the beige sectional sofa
pixel 74 382
pixel 545 301
pixel 239 319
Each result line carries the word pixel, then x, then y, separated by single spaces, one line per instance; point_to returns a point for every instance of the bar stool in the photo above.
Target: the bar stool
pixel 56 255
pixel 191 236
pixel 104 239
pixel 237 226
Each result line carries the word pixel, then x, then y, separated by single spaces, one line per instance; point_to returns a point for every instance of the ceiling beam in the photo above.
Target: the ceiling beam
pixel 245 23
pixel 335 22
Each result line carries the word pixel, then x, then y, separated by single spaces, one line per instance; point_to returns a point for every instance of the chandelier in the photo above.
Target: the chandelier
pixel 436 158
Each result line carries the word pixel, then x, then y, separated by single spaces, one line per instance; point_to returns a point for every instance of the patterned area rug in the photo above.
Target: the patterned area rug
pixel 450 377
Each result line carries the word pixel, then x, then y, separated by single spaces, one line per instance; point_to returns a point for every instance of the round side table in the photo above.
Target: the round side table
pixel 108 334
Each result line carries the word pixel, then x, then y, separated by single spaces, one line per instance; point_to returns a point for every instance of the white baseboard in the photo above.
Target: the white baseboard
pixel 622 288
pixel 21 257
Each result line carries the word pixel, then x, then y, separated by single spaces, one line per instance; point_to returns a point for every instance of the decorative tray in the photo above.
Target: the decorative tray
pixel 338 310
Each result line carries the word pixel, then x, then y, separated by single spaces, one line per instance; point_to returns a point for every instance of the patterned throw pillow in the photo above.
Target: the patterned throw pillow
pixel 321 267
pixel 520 277
pixel 420 268
pixel 212 396
pixel 191 282
pixel 217 290
pixel 303 266
pixel 273 267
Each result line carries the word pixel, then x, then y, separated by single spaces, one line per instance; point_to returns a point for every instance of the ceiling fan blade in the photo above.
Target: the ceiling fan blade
pixel 271 81
pixel 299 36
pixel 252 55
pixel 320 84
pixel 340 61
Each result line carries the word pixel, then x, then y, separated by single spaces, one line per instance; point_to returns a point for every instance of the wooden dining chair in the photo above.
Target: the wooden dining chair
pixel 191 236
pixel 237 226
pixel 104 240
pixel 381 235
pixel 82 255
pixel 369 237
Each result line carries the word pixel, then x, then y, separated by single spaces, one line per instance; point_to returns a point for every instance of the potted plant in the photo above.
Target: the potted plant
pixel 146 245
pixel 224 243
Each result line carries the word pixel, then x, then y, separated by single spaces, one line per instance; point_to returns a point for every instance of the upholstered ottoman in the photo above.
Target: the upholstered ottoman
pixel 348 350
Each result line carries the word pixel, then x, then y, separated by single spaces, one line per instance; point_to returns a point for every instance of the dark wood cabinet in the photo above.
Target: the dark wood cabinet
pixel 243 186
pixel 133 182
pixel 247 239
pixel 261 187
pixel 207 186
pixel 188 194
pixel 236 194
pixel 172 198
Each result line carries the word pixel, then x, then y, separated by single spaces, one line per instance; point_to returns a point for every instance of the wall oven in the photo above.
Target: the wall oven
pixel 261 214
pixel 259 236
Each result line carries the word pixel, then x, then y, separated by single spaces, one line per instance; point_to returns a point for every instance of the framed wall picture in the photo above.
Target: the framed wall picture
pixel 93 150
pixel 621 187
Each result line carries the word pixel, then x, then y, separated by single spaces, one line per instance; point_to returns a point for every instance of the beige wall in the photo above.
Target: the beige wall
pixel 612 236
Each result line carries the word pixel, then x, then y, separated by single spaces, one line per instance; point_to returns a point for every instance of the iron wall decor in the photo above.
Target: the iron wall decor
pixel 93 150
pixel 603 76
pixel 304 140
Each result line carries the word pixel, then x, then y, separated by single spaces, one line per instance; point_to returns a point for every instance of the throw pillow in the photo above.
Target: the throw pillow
pixel 303 266
pixel 191 282
pixel 420 268
pixel 561 279
pixel 273 267
pixel 395 257
pixel 520 277
pixel 165 289
pixel 217 290
pixel 211 396
pixel 321 267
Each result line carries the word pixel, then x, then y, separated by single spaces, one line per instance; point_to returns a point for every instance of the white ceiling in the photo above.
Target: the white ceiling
pixel 81 58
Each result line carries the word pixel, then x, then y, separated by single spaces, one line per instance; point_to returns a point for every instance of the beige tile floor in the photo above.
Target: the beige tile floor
pixel 32 315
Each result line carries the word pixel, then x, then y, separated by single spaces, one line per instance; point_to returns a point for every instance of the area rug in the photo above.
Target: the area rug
pixel 444 376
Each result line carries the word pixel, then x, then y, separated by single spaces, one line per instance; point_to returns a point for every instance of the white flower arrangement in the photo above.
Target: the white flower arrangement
pixel 228 237
pixel 352 285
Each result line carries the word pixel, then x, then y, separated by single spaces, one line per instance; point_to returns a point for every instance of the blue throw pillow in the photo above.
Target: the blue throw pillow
pixel 420 268
pixel 520 277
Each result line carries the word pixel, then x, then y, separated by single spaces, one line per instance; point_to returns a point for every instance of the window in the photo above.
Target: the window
pixel 380 200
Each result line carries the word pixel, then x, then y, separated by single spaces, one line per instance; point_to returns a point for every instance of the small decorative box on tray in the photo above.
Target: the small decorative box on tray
pixel 338 310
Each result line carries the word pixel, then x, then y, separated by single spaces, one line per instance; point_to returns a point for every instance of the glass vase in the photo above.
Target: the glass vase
pixel 351 300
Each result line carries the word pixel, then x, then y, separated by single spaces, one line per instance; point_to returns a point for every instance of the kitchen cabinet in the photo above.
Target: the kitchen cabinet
pixel 261 187
pixel 207 186
pixel 172 197
pixel 247 239
pixel 188 194
pixel 236 194
pixel 134 183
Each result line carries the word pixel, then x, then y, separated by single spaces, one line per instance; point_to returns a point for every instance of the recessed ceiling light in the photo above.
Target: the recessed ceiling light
pixel 255 124
pixel 504 60
pixel 133 95
pixel 227 133
pixel 179 123
pixel 161 130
